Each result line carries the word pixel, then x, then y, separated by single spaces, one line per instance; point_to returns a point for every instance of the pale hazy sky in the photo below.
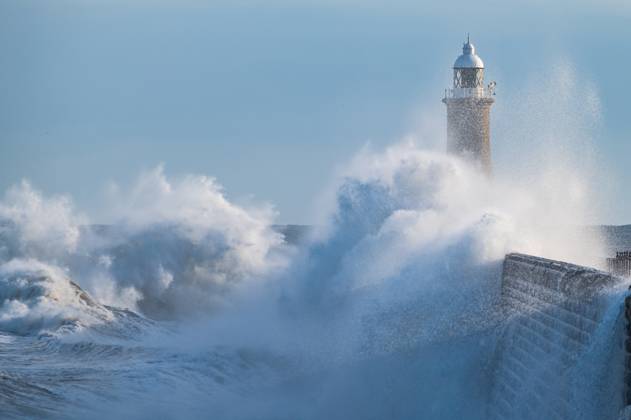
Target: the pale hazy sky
pixel 270 97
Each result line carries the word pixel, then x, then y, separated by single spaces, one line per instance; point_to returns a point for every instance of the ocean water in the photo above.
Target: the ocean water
pixel 191 306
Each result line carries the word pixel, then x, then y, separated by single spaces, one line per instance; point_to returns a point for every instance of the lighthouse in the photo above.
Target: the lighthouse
pixel 468 110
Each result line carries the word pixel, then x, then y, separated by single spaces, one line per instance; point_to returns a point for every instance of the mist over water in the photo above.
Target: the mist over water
pixel 189 304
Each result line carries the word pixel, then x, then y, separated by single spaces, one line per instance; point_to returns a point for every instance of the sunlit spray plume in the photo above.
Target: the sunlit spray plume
pixel 34 226
pixel 546 133
pixel 408 262
pixel 391 205
pixel 178 248
pixel 414 229
pixel 183 246
pixel 37 296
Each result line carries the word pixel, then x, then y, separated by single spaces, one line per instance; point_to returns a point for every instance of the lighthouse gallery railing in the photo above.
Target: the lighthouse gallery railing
pixel 479 92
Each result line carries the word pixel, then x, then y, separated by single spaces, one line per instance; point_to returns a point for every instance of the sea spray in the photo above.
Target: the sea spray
pixel 598 377
pixel 388 312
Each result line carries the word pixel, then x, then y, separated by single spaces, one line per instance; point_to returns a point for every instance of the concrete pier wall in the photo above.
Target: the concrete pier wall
pixel 556 313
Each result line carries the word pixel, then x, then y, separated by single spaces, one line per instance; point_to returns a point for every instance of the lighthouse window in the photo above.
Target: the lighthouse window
pixel 479 74
pixel 468 78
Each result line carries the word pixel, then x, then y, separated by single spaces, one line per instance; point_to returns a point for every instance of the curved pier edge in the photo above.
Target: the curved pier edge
pixel 563 342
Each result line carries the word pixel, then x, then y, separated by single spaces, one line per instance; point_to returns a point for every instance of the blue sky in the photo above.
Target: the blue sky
pixel 271 97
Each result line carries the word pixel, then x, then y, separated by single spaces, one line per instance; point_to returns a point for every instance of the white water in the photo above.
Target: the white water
pixel 388 311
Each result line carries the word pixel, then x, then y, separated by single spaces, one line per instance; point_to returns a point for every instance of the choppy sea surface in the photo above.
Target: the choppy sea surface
pixel 193 307
pixel 135 367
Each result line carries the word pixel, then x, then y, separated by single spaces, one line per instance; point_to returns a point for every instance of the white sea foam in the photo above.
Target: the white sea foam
pixel 388 312
pixel 32 225
pixel 36 297
pixel 398 288
pixel 179 247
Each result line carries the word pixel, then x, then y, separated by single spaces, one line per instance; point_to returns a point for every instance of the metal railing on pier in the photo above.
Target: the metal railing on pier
pixel 621 264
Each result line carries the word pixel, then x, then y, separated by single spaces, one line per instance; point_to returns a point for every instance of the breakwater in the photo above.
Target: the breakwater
pixel 561 354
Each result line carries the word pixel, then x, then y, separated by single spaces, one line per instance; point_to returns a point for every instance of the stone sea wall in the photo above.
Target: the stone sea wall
pixel 551 352
pixel 627 353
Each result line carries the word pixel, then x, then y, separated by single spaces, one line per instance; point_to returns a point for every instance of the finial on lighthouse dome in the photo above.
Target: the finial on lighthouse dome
pixel 469 59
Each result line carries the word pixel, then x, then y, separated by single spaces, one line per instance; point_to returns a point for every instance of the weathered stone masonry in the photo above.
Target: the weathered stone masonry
pixel 627 348
pixel 552 310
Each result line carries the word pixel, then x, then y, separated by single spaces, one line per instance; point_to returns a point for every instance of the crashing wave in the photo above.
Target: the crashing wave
pixel 176 248
pixel 39 298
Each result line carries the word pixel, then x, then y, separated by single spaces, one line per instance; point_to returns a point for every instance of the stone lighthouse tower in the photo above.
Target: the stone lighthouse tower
pixel 468 110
